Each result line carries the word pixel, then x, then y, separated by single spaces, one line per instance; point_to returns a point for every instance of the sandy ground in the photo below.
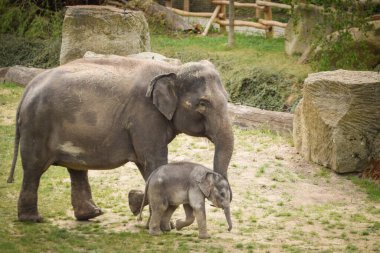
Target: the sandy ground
pixel 280 202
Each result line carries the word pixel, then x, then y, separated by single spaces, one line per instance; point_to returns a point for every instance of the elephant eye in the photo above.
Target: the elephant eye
pixel 222 194
pixel 203 102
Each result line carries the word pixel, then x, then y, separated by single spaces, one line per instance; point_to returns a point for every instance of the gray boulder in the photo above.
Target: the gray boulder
pixel 143 55
pixel 157 57
pixel 300 31
pixel 337 123
pixel 104 30
pixel 20 75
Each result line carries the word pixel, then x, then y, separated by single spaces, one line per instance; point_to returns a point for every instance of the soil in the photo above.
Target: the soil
pixel 280 201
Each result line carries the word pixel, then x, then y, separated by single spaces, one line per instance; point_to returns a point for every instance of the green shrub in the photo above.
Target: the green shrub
pixel 16 50
pixel 261 88
pixel 30 34
pixel 341 50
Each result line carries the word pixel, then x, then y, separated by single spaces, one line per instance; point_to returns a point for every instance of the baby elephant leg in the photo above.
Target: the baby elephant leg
pixel 165 221
pixel 181 223
pixel 158 210
pixel 200 215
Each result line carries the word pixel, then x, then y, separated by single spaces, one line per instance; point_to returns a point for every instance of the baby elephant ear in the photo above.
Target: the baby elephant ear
pixel 205 182
pixel 162 90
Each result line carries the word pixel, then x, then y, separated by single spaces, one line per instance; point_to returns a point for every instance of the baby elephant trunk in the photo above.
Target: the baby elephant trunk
pixel 228 217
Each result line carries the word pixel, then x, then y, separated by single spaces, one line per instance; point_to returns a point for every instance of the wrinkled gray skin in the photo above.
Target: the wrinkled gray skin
pixel 101 113
pixel 185 183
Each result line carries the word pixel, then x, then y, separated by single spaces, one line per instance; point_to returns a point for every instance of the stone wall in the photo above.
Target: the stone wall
pixel 337 123
pixel 104 30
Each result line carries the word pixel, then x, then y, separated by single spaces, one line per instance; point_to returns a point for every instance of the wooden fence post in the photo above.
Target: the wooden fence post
pixel 231 18
pixel 186 5
pixel 222 16
pixel 258 13
pixel 209 23
pixel 268 16
pixel 168 3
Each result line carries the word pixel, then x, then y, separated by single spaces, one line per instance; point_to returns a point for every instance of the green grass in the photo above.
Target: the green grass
pixel 371 187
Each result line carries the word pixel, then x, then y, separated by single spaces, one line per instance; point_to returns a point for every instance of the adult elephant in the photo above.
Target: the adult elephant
pixel 100 113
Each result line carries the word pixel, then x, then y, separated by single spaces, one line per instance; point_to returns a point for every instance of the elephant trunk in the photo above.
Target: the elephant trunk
pixel 228 217
pixel 224 145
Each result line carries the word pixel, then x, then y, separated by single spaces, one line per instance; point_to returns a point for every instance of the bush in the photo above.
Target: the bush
pixel 341 50
pixel 16 50
pixel 263 89
pixel 30 34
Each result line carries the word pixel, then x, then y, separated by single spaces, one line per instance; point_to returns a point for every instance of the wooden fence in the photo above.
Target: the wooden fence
pixel 219 14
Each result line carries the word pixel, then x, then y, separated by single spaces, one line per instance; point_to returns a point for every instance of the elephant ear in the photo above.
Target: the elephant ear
pixel 205 182
pixel 162 90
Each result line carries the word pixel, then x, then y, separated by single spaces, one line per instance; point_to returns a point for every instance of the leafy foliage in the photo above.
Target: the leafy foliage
pixel 17 50
pixel 30 34
pixel 261 88
pixel 340 49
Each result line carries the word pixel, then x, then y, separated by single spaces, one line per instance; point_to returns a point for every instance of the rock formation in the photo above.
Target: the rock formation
pixel 337 123
pixel 104 30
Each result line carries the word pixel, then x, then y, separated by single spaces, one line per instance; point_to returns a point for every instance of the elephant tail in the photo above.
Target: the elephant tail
pixel 143 201
pixel 145 195
pixel 15 147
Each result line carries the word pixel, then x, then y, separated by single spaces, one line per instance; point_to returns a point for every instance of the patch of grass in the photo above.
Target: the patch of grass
pixel 369 186
pixel 323 172
pixel 352 248
pixel 292 248
pixel 10 93
pixel 357 217
pixel 261 170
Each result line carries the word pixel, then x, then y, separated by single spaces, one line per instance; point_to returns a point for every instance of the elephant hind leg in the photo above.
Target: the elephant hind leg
pixel 189 218
pixel 158 210
pixel 81 197
pixel 165 220
pixel 28 199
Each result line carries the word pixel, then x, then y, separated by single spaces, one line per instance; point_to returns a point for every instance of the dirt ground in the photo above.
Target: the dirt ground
pixel 280 202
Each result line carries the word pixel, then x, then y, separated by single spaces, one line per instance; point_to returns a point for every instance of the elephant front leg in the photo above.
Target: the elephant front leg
pixel 189 218
pixel 81 197
pixel 200 215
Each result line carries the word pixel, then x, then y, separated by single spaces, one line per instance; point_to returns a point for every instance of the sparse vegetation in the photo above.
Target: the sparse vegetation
pixel 371 187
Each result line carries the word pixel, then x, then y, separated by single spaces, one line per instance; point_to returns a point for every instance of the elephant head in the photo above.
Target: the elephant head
pixel 216 188
pixel 193 98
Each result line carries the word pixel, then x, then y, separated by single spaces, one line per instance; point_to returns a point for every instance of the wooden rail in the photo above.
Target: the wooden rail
pixel 272 23
pixel 237 4
pixel 219 14
pixel 270 4
pixel 242 23
pixel 190 14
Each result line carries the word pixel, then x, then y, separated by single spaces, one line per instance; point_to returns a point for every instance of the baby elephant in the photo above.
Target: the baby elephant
pixel 185 183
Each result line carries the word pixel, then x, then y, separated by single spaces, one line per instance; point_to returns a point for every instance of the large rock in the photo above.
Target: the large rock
pixel 142 55
pixel 104 30
pixel 20 75
pixel 300 31
pixel 337 123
